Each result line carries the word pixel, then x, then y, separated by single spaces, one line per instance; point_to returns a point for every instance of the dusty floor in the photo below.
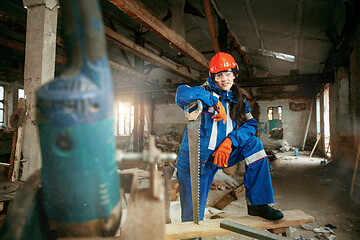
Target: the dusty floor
pixel 300 183
pixel 303 183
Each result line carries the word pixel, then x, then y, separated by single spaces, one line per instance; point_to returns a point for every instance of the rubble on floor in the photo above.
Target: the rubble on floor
pixel 167 142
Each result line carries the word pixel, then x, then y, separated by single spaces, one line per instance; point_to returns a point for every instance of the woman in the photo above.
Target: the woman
pixel 226 138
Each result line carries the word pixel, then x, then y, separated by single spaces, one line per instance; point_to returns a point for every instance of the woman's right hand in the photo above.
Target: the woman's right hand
pixel 221 112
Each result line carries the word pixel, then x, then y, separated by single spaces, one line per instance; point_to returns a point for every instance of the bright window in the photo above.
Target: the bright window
pixel 2 93
pixel 270 113
pixel 125 119
pixel 21 93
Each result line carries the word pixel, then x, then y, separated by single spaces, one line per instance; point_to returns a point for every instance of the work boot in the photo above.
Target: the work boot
pixel 265 211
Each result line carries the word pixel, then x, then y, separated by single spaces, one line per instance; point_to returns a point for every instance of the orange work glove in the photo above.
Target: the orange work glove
pixel 222 153
pixel 221 112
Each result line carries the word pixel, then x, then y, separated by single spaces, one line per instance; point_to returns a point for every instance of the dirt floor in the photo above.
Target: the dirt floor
pixel 303 183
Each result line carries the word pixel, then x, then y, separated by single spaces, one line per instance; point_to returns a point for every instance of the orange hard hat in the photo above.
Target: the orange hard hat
pixel 221 62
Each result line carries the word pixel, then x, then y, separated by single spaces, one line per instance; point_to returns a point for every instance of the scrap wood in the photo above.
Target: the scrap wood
pixel 220 176
pixel 141 174
pixel 219 185
pixel 271 155
pixel 228 198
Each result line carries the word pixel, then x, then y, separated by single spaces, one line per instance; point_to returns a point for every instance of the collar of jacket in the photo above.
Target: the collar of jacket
pixel 223 95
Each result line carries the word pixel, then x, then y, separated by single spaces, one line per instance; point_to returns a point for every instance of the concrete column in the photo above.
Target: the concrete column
pixel 39 69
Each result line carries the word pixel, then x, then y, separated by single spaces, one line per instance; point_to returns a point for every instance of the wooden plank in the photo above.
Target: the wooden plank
pixel 211 227
pixel 128 45
pixel 316 143
pixel 288 80
pixel 355 175
pixel 140 13
pixel 12 155
pixel 17 154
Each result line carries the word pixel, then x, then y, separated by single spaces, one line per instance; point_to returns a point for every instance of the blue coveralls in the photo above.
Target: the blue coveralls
pixel 245 146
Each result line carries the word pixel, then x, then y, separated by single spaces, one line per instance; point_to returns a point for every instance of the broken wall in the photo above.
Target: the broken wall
pixel 168 118
pixel 345 109
pixel 295 114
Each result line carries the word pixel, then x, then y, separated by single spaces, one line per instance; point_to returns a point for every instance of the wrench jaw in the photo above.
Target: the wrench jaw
pixel 193 117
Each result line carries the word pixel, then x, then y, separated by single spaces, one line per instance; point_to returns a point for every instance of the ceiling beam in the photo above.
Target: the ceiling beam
pixel 236 43
pixel 237 46
pixel 140 13
pixel 129 46
pixel 210 21
pixel 130 73
pixel 288 80
pixel 162 52
pixel 20 47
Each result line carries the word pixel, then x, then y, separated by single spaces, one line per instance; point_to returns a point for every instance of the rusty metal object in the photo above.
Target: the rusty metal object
pixel 145 216
pixel 18 117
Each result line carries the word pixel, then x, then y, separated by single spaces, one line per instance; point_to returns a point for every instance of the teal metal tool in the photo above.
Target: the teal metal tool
pixel 80 183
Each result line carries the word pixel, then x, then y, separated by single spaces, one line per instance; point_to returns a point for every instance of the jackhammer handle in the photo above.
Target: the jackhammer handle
pixel 83 33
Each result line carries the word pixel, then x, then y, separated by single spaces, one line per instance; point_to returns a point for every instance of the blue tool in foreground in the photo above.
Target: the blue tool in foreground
pixel 80 182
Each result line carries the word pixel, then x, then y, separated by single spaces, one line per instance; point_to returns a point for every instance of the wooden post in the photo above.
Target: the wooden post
pixel 136 124
pixel 13 145
pixel 141 122
pixel 18 146
pixel 317 141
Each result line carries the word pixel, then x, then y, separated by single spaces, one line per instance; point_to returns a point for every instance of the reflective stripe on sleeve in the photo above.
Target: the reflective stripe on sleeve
pixel 248 116
pixel 255 157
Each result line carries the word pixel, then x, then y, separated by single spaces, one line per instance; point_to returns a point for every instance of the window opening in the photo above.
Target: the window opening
pixel 21 93
pixel 125 122
pixel 275 128
pixel 2 97
pixel 327 120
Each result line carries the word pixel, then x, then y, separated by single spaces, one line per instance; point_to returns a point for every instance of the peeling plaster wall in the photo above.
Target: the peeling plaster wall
pixel 294 123
pixel 345 109
pixel 340 119
pixel 167 118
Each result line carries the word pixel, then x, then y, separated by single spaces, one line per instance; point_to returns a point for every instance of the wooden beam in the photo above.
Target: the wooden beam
pixel 128 45
pixel 140 13
pixel 20 47
pixel 210 21
pixel 133 75
pixel 166 54
pixel 237 46
pixel 288 80
pixel 211 227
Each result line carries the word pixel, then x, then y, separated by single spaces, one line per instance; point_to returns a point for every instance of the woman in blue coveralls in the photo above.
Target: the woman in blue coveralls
pixel 226 138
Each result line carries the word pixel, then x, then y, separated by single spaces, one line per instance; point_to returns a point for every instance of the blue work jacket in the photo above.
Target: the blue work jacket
pixel 212 133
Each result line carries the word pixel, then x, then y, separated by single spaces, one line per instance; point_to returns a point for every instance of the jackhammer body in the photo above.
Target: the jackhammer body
pixel 80 182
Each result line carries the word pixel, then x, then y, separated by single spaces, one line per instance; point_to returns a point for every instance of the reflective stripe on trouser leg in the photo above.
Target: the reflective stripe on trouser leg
pixel 185 194
pixel 257 179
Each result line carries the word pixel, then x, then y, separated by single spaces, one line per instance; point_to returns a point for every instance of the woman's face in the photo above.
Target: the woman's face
pixel 224 80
